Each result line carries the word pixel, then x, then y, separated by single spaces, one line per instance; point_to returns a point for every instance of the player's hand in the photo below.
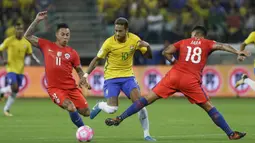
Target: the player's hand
pixel 84 82
pixel 242 55
pixel 143 44
pixel 240 58
pixel 41 15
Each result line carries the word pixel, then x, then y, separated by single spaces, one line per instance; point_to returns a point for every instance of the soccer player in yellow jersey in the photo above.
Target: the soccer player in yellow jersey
pixel 118 50
pixel 244 78
pixel 17 49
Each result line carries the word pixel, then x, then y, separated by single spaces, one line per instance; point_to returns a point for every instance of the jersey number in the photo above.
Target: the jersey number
pixel 58 61
pixel 124 56
pixel 197 51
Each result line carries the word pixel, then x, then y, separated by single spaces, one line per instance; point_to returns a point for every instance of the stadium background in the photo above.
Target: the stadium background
pixel 160 22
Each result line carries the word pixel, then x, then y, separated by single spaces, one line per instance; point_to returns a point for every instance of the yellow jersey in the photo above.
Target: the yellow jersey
pixel 250 39
pixel 16 52
pixel 119 56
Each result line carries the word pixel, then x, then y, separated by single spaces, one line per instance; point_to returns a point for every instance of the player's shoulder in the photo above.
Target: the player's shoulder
pixel 133 36
pixel 11 38
pixel 25 40
pixel 252 33
pixel 109 40
pixel 71 50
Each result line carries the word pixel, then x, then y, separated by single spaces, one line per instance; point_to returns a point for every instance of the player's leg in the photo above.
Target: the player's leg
pixel 79 102
pixel 131 90
pixel 133 109
pixel 247 80
pixel 111 93
pixel 14 81
pixel 61 98
pixel 219 120
pixel 195 94
pixel 163 89
pixel 73 113
pixel 5 89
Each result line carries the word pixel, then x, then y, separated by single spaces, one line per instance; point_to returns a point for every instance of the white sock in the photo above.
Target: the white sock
pixel 9 102
pixel 106 108
pixel 6 89
pixel 144 120
pixel 250 82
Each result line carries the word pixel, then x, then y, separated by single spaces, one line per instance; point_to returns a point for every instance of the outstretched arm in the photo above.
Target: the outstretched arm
pixel 30 31
pixel 228 48
pixel 93 64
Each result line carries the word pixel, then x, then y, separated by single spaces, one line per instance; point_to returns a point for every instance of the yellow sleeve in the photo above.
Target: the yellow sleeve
pixel 142 49
pixel 4 45
pixel 250 39
pixel 29 50
pixel 104 50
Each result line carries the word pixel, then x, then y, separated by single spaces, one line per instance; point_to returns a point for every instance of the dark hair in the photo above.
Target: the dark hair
pixel 121 21
pixel 200 29
pixel 62 25
pixel 18 24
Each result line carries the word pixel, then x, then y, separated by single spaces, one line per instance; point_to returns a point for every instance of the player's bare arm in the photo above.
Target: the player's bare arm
pixel 230 49
pixel 83 77
pixel 33 56
pixel 3 61
pixel 93 64
pixel 148 53
pixel 29 33
pixel 168 52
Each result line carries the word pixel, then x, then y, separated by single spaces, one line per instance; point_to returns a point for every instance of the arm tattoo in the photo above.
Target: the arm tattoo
pixel 79 71
pixel 29 34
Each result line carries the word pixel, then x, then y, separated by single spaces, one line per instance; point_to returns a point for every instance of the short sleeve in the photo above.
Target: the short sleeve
pixel 143 49
pixel 136 40
pixel 43 43
pixel 177 45
pixel 104 50
pixel 250 39
pixel 29 50
pixel 211 43
pixel 4 45
pixel 76 59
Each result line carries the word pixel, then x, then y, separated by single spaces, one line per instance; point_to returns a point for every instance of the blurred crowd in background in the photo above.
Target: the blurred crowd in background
pixel 159 21
pixel 21 11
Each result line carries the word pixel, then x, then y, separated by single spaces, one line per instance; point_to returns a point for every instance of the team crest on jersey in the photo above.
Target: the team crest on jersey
pixel 59 54
pixel 25 46
pixel 67 56
pixel 132 47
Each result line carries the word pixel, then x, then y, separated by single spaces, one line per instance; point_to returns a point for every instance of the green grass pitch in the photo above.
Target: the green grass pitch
pixel 173 120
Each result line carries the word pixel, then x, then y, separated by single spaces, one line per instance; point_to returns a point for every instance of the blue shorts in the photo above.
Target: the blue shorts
pixel 112 87
pixel 12 78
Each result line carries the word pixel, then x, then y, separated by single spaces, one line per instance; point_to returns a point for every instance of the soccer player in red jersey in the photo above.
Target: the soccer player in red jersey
pixel 60 59
pixel 185 77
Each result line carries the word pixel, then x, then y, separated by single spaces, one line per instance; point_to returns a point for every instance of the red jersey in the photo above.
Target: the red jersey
pixel 59 63
pixel 193 54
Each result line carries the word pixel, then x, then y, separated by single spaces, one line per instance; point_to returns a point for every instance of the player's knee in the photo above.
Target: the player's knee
pixel 69 106
pixel 111 109
pixel 15 88
pixel 85 112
